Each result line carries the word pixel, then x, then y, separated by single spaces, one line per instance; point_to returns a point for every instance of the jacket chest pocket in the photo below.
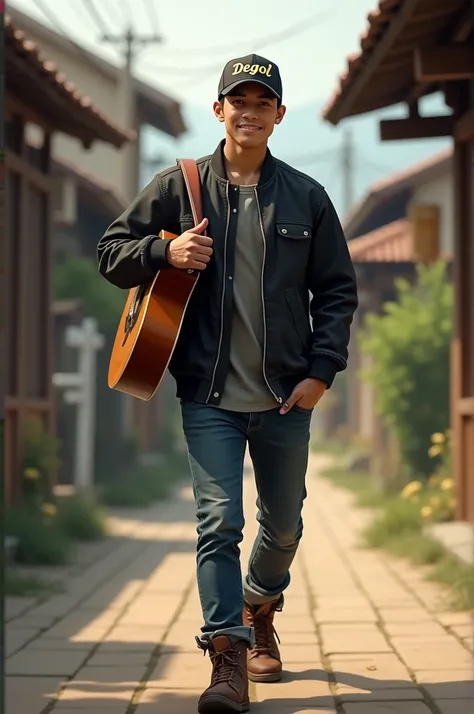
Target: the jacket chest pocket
pixel 293 231
pixel 293 246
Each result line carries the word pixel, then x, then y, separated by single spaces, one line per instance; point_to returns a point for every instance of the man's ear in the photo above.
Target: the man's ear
pixel 280 114
pixel 219 110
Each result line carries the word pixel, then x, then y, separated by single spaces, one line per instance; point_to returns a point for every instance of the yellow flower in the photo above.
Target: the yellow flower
pixel 426 511
pixel 434 481
pixel 435 450
pixel 435 502
pixel 411 489
pixel 438 438
pixel 31 474
pixel 446 484
pixel 49 509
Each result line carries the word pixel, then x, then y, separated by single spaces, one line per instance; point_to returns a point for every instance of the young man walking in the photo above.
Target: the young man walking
pixel 265 333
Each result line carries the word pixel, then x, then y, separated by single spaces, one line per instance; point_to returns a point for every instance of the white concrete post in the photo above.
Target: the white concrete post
pixel 81 390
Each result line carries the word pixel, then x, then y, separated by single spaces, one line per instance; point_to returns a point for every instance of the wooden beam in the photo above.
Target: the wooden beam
pixel 399 20
pixel 464 127
pixel 416 128
pixel 444 64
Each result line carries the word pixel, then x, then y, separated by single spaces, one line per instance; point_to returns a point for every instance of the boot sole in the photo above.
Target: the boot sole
pixel 273 677
pixel 215 703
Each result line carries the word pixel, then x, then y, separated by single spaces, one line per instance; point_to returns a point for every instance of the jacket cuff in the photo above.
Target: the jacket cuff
pixel 325 369
pixel 157 258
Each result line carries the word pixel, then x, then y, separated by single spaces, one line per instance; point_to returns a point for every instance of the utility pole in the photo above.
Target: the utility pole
pixel 130 44
pixel 348 170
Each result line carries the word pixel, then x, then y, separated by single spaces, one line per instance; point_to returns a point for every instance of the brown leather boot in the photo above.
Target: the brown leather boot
pixel 229 688
pixel 264 661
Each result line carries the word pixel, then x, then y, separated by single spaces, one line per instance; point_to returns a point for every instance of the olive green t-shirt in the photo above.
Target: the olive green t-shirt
pixel 245 388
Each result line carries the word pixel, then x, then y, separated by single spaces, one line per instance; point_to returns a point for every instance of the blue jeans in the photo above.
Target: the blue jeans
pixel 278 446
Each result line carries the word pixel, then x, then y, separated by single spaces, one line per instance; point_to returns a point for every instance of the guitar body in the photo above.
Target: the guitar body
pixel 148 331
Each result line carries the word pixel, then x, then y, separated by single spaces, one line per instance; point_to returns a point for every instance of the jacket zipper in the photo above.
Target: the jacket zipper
pixel 224 277
pixel 278 399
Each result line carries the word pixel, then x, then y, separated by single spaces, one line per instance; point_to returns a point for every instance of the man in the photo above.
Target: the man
pixel 249 366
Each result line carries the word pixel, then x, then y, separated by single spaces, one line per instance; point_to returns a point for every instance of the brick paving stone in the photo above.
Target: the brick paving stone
pixel 271 707
pixel 119 659
pixel 400 707
pixel 186 671
pixel 404 615
pixel 447 684
pixel 175 701
pixel 424 656
pixel 125 608
pixel 381 671
pixel 29 695
pixel 352 694
pixel 308 687
pixel 295 654
pixel 455 706
pixel 61 664
pixel 327 615
pixel 421 629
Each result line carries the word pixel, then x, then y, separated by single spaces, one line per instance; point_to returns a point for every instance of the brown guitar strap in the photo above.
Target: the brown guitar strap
pixel 193 185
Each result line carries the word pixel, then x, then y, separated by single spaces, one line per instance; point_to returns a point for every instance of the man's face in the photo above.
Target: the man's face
pixel 250 114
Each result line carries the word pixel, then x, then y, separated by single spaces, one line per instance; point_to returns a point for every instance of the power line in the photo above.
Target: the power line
pixel 53 20
pixel 293 31
pixel 153 15
pixel 96 16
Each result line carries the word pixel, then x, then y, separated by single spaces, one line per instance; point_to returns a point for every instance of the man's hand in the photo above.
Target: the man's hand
pixel 191 249
pixel 306 394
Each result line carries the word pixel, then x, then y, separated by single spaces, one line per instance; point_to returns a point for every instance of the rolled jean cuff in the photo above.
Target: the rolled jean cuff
pixel 256 596
pixel 234 633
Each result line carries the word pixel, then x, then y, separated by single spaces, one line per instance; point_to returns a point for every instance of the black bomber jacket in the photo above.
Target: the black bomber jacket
pixel 308 284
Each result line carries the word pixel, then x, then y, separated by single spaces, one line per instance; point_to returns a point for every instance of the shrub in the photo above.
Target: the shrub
pixel 145 485
pixel 19 584
pixel 41 541
pixel 409 345
pixel 81 518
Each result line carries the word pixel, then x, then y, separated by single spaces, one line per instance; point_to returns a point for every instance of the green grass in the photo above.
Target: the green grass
pixel 459 576
pixel 17 584
pixel 360 483
pixel 398 529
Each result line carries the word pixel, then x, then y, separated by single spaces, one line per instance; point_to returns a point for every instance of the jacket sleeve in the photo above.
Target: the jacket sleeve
pixel 332 283
pixel 129 252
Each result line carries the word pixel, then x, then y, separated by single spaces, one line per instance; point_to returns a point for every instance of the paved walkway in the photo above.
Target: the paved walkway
pixel 361 634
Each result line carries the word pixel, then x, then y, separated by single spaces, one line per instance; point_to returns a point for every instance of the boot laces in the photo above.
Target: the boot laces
pixel 225 664
pixel 264 632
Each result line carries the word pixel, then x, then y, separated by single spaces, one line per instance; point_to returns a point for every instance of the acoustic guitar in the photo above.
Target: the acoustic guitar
pixel 153 314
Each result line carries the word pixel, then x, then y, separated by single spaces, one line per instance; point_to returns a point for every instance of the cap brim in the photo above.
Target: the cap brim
pixel 232 86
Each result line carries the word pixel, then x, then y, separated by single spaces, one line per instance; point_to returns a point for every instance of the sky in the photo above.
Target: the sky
pixel 309 40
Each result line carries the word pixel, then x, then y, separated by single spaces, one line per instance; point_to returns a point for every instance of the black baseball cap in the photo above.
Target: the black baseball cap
pixel 251 68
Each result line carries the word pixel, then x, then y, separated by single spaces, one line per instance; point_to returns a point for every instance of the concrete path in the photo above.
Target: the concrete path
pixel 361 633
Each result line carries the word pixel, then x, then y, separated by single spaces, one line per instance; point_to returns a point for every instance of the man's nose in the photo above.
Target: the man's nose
pixel 251 114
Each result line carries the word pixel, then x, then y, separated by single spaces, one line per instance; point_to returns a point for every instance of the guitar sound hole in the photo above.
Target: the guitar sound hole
pixel 133 312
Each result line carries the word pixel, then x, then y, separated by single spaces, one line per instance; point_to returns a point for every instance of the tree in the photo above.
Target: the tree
pixel 409 344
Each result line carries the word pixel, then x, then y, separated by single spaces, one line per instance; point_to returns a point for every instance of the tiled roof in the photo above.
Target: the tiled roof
pixel 82 106
pixel 393 184
pixel 389 244
pixel 426 23
pixel 154 106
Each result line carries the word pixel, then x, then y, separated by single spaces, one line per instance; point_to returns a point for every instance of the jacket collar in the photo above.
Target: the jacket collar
pixel 218 165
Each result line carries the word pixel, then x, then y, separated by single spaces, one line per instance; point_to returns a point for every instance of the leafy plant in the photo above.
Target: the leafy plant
pixel 81 518
pixel 41 541
pixel 409 345
pixel 40 462
pixel 78 277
